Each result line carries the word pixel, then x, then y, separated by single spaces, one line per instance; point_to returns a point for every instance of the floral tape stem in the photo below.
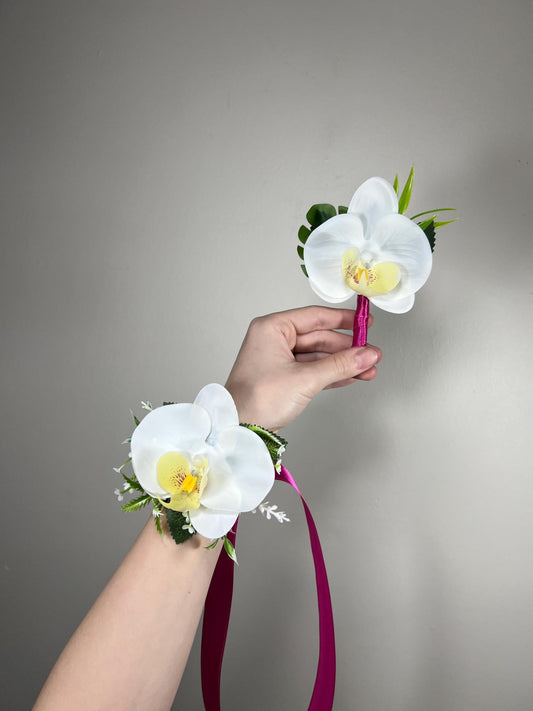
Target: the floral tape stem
pixel 360 322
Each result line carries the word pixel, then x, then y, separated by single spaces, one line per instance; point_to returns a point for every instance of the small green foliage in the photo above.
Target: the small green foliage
pixel 436 211
pixel 157 520
pixel 275 444
pixel 303 234
pixel 317 214
pixel 136 504
pixel 425 223
pixel 176 522
pixel 405 197
pixel 157 512
pixel 443 224
pixel 135 418
pixel 428 227
pixel 230 549
pixel 212 545
pixel 133 483
pixel 395 185
pixel 169 403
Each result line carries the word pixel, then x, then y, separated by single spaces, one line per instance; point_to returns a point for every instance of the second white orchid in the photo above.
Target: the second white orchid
pixel 370 250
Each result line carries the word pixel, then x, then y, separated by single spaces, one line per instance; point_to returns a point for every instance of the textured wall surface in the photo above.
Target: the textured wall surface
pixel 157 160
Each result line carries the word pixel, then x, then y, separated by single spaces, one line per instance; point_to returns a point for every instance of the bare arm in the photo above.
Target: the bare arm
pixel 131 649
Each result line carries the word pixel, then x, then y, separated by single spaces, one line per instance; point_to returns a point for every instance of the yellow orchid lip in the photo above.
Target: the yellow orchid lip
pixel 183 482
pixel 368 280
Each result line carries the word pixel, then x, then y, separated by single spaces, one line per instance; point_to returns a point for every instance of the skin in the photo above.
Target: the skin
pixel 287 358
pixel 131 649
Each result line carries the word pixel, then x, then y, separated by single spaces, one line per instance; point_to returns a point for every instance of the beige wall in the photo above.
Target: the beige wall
pixel 157 160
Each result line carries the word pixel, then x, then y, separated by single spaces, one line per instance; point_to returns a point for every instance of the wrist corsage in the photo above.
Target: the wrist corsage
pixel 370 248
pixel 194 463
pixel 200 469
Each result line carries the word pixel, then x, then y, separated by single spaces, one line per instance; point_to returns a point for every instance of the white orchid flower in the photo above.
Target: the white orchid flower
pixel 371 250
pixel 195 458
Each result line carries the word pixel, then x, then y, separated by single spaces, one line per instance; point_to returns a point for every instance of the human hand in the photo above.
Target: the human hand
pixel 288 357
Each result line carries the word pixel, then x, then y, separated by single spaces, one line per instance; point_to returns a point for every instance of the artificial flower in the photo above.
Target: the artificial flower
pixel 196 458
pixel 370 250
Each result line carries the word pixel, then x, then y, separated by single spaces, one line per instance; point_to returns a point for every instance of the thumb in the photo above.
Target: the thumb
pixel 340 366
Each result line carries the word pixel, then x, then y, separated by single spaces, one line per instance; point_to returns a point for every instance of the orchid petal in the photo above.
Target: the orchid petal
pixel 167 428
pixel 218 403
pixel 372 200
pixel 327 298
pixel 144 462
pixel 222 492
pixel 394 305
pixel 249 461
pixel 400 240
pixel 212 524
pixel 323 255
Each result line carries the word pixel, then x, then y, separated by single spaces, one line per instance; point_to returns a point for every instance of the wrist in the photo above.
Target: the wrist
pixel 253 409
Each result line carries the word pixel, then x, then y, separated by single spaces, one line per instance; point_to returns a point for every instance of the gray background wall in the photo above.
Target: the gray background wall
pixel 157 160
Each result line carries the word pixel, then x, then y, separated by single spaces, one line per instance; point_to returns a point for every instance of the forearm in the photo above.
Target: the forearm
pixel 131 649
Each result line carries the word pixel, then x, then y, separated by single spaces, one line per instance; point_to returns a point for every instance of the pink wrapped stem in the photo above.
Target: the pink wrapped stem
pixel 360 321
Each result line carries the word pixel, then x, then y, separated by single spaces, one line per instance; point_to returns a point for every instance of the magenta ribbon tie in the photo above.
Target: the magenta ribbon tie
pixel 360 321
pixel 217 614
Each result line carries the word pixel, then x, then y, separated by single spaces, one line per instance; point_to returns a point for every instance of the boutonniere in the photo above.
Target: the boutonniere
pixel 370 248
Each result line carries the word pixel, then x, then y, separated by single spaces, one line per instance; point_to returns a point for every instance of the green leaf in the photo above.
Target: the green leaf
pixel 212 545
pixel 395 185
pixel 428 212
pixel 343 209
pixel 300 251
pixel 158 509
pixel 176 520
pixel 135 418
pixel 136 504
pixel 275 444
pixel 427 222
pixel 317 214
pixel 429 231
pixel 405 197
pixel 443 224
pixel 134 484
pixel 168 403
pixel 230 549
pixel 303 234
pixel 304 270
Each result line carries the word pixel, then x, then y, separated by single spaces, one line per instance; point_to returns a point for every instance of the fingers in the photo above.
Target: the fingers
pixel 323 341
pixel 317 318
pixel 369 374
pixel 340 366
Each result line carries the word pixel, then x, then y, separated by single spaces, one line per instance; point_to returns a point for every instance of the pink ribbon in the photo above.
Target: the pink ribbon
pixel 217 612
pixel 360 321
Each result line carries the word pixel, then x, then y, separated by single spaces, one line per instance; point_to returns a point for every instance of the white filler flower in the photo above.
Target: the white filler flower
pixel 371 250
pixel 195 458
